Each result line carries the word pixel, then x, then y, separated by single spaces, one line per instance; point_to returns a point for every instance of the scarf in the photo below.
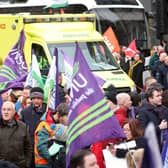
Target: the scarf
pixel 132 67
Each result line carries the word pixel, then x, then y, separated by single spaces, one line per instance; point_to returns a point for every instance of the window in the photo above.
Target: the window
pixel 41 59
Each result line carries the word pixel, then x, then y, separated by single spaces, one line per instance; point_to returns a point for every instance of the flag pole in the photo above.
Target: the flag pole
pixel 48 100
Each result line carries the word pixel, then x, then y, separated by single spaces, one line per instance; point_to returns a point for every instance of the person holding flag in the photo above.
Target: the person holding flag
pixel 31 115
pixel 124 60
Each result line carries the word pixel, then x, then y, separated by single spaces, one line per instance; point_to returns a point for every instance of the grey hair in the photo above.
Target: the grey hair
pixel 11 103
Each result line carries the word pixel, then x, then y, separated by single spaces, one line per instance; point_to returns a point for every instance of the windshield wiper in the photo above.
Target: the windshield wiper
pixel 104 66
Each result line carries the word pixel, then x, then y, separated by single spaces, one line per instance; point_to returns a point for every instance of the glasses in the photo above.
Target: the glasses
pixel 126 129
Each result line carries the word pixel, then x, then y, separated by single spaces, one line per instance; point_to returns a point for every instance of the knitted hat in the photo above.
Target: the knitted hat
pixel 59 132
pixel 36 92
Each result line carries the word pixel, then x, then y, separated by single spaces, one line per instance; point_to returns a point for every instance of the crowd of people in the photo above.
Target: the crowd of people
pixel 33 137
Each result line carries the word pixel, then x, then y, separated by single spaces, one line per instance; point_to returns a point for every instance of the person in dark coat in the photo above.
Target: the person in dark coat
pixel 136 104
pixel 163 73
pixel 153 111
pixel 136 71
pixel 31 115
pixel 124 61
pixel 125 64
pixel 158 64
pixel 15 140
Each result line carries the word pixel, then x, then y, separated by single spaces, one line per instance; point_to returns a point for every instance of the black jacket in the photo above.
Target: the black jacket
pixel 31 117
pixel 149 113
pixel 125 65
pixel 137 74
pixel 15 143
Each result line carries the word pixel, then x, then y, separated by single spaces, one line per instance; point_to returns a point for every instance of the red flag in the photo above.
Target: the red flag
pixel 111 40
pixel 131 50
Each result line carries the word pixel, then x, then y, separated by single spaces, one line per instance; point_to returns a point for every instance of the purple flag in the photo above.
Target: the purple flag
pixel 14 70
pixel 68 64
pixel 57 100
pixel 152 157
pixel 165 153
pixel 90 117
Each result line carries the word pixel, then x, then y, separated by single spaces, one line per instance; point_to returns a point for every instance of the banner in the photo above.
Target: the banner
pixel 111 40
pixel 131 50
pixel 90 117
pixel 14 70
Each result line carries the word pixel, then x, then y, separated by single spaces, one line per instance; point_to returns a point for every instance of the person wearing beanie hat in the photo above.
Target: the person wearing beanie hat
pixel 37 95
pixel 36 92
pixel 32 114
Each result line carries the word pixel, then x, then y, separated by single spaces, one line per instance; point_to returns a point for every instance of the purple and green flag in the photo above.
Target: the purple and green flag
pixel 34 77
pixel 90 117
pixel 68 64
pixel 14 70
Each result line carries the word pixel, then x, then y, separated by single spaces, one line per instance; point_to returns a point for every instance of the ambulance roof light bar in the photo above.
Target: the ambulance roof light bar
pixel 60 18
